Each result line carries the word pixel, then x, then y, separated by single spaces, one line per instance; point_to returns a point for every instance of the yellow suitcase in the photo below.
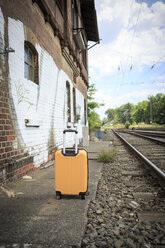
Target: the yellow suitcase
pixel 71 170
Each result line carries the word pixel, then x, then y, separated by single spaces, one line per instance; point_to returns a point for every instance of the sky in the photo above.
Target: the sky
pixel 129 63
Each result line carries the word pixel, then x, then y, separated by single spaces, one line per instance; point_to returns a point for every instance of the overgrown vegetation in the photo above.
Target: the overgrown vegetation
pixel 93 117
pixel 107 156
pixel 127 124
pixel 147 112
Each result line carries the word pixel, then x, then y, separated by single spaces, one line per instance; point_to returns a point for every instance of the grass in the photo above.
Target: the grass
pixel 140 125
pixel 107 156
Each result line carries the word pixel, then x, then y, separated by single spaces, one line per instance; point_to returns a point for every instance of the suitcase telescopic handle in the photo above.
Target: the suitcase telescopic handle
pixel 70 131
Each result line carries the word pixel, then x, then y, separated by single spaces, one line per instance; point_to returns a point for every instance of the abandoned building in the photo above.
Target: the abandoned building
pixel 43 79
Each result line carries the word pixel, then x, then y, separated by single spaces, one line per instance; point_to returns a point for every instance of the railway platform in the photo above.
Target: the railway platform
pixel 31 216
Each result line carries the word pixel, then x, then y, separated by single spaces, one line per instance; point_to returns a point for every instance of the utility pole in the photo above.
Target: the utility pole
pixel 150 111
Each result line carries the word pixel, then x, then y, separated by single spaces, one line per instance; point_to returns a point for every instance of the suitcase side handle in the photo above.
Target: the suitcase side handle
pixel 70 131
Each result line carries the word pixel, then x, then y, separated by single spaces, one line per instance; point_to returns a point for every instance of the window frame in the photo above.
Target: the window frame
pixel 30 62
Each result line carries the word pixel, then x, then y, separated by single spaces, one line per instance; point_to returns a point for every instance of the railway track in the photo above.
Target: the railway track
pixel 129 209
pixel 157 136
pixel 153 154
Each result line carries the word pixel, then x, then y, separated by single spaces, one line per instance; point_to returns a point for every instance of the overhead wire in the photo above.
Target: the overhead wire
pixel 151 68
pixel 157 61
pixel 140 79
pixel 120 67
pixel 132 40
pixel 128 24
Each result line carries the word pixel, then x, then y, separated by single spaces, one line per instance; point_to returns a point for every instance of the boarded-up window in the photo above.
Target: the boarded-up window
pixel 68 102
pixel 30 62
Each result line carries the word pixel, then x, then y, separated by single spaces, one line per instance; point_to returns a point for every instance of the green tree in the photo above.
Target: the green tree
pixel 157 108
pixel 124 113
pixel 93 117
pixel 148 111
pixel 94 121
pixel 110 114
pixel 141 112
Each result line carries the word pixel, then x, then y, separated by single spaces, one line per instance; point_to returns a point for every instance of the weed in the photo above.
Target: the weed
pixel 107 156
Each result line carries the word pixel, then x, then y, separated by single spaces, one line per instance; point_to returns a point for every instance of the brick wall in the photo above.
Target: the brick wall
pixel 32 116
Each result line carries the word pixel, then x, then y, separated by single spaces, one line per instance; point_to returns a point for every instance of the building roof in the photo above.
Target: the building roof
pixel 89 17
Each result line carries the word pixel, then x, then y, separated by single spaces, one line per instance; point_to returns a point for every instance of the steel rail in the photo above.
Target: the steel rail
pixel 161 142
pixel 142 157
pixel 149 129
pixel 150 133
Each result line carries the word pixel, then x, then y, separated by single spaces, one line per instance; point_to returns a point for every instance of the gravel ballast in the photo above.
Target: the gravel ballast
pixel 113 216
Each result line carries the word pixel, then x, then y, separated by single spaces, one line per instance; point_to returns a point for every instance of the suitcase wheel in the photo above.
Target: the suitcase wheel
pixel 58 195
pixel 82 196
pixel 87 193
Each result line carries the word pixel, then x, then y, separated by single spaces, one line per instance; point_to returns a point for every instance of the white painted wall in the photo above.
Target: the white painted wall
pixel 44 104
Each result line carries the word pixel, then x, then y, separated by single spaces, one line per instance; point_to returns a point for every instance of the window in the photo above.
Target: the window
pixel 30 62
pixel 68 102
pixel 74 104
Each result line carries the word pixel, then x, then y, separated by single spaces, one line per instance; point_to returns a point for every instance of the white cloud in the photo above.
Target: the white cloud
pixel 161 77
pixel 162 84
pixel 132 97
pixel 123 46
pixel 141 47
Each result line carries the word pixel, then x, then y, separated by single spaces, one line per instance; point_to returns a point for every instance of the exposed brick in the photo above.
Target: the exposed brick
pixel 38 34
pixel 8 149
pixel 12 137
pixel 7 127
pixel 8 122
pixel 4 155
pixel 8 154
pixel 3 110
pixel 12 153
pixel 6 105
pixel 2 138
pixel 9 143
pixel 2 150
pixel 3 116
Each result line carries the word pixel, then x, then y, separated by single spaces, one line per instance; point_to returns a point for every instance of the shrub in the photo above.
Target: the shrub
pixel 107 156
pixel 127 124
